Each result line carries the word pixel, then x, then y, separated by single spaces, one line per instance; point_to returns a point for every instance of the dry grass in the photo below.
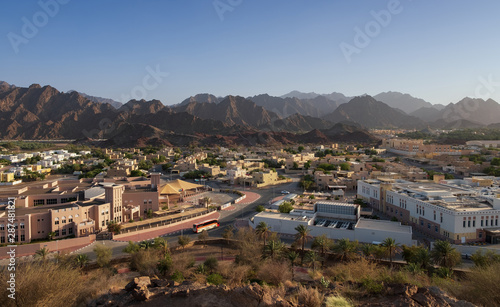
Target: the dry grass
pixel 234 274
pixel 363 269
pixel 49 284
pixel 353 271
pixel 145 262
pixel 338 301
pixel 274 272
pixel 308 297
pixel 481 286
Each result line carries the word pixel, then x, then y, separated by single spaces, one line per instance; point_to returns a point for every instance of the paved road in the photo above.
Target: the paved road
pixel 242 211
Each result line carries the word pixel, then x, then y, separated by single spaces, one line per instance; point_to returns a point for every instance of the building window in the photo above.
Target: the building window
pixel 482 223
pixel 57 233
pixel 464 224
pixel 422 223
pixel 16 226
pixel 428 225
pixel 2 239
pixel 103 223
pixel 2 227
pixel 64 231
pixel 23 238
pixel 474 223
pixel 436 228
pixel 486 223
pixel 39 202
pixel 70 230
pixel 22 225
pixel 468 224
pixel 52 201
pixel 480 235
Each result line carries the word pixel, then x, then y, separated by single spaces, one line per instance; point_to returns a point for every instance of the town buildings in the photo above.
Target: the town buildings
pixel 459 211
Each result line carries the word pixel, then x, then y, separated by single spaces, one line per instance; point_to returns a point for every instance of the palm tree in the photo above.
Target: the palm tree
pixel 263 231
pixel 346 248
pixel 445 255
pixel 390 245
pixel 322 244
pixel 146 244
pixel 313 258
pixel 302 236
pixel 368 250
pixel 206 200
pixel 42 253
pixel 82 260
pixel 51 235
pixel 292 256
pixel 161 243
pixel 273 249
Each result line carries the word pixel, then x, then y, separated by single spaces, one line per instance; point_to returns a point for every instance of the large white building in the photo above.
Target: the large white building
pixel 452 210
pixel 336 221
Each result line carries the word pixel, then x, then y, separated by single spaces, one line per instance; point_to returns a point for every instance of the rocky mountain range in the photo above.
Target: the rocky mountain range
pixel 45 113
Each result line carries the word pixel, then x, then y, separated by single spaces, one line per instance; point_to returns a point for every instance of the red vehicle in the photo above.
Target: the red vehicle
pixel 205 225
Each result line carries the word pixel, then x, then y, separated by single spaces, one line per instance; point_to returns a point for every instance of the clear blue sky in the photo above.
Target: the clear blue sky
pixel 435 50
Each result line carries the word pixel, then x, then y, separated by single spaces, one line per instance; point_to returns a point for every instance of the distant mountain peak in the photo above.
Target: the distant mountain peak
pixel 404 102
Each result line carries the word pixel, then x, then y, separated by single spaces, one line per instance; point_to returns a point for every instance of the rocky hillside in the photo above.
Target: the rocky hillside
pixel 370 113
pixel 45 113
pixel 143 291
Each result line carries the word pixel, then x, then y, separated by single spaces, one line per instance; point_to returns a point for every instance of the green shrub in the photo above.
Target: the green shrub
pixel 177 276
pixel 372 286
pixel 215 279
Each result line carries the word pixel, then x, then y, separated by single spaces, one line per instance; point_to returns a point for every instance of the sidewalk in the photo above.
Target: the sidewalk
pixel 165 230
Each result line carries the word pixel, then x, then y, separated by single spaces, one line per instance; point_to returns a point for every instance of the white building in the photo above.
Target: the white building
pixel 336 221
pixel 454 211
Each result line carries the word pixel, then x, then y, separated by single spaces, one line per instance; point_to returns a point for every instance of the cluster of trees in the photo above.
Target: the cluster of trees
pixel 26 145
pixel 330 167
pixel 213 160
pixel 33 160
pixel 324 153
pixel 197 174
pixel 272 164
pixel 418 258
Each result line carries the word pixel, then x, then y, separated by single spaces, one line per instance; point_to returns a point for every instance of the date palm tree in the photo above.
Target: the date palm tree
pixel 82 260
pixel 274 249
pixel 392 248
pixel 42 253
pixel 292 256
pixel 345 248
pixel 263 231
pixel 301 237
pixel 445 255
pixel 322 244
pixel 313 258
pixel 162 244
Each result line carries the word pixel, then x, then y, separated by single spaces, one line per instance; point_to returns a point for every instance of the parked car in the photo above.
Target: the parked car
pixel 285 192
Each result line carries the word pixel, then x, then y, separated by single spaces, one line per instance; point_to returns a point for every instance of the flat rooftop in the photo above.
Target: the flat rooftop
pixel 383 225
pixel 283 216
